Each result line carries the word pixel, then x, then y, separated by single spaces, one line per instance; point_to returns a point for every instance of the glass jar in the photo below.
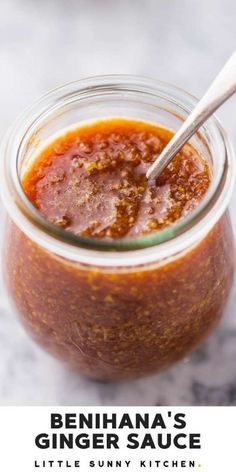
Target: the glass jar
pixel 123 308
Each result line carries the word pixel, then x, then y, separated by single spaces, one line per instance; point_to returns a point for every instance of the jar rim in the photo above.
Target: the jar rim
pixel 149 248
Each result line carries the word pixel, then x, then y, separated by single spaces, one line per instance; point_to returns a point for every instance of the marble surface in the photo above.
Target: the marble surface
pixel 46 43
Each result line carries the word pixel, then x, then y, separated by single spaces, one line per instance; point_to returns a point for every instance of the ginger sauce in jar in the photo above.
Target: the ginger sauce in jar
pixel 99 290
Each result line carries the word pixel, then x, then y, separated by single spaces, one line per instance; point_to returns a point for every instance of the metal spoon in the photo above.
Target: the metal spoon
pixel 220 90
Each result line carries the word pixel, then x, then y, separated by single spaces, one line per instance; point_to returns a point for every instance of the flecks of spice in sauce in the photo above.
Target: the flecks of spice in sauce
pixel 92 180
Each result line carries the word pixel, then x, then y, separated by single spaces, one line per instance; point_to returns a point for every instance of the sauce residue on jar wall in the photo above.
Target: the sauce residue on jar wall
pixel 91 180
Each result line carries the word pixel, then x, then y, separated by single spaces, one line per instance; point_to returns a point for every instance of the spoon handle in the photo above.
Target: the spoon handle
pixel 219 91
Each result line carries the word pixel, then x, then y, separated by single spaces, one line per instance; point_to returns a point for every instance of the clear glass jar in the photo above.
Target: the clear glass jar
pixel 117 309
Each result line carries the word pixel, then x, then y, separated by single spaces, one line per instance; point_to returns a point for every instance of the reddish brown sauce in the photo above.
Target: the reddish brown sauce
pixel 118 322
pixel 92 180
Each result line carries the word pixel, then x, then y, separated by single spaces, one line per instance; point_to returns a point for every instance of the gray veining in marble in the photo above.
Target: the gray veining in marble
pixel 48 42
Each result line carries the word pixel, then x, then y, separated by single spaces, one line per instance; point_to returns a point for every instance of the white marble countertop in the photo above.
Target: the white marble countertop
pixel 46 43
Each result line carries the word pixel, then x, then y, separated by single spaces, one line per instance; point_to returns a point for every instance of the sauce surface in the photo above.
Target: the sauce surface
pixel 92 180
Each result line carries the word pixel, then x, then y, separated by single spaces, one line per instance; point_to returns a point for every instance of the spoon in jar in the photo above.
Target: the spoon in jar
pixel 219 91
